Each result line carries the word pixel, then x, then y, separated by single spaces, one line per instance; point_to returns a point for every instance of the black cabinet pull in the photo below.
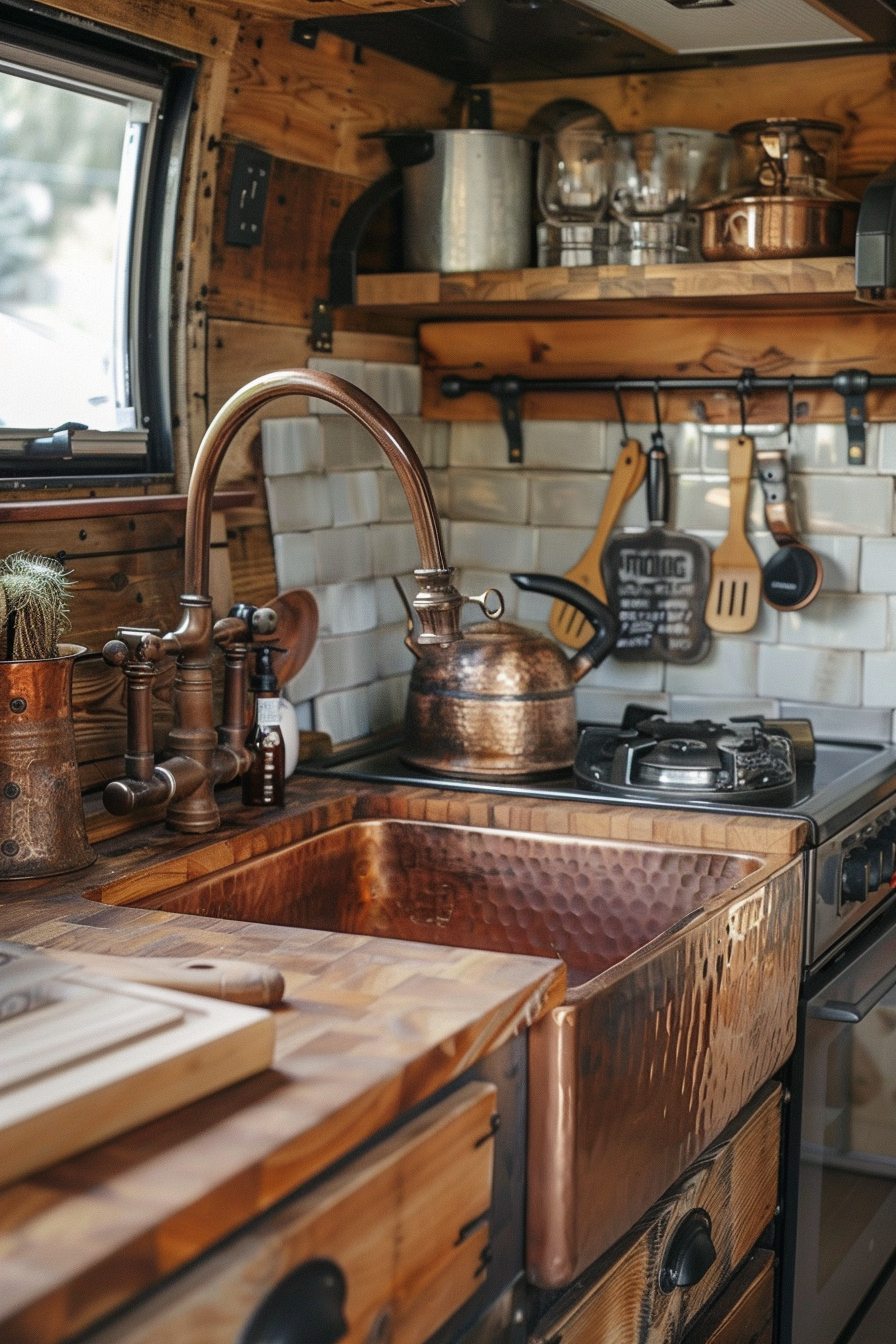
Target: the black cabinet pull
pixel 305 1307
pixel 690 1252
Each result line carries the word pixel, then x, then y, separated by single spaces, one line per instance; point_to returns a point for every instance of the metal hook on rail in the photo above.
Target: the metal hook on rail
pixel 621 409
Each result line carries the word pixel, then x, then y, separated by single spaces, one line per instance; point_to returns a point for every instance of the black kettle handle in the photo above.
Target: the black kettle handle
pixel 597 613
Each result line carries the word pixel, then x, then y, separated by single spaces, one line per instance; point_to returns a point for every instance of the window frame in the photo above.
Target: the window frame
pixel 75 53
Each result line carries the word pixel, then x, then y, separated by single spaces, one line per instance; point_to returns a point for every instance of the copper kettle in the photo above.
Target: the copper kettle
pixel 500 702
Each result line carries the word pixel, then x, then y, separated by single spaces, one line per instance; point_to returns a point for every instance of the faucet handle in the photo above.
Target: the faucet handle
pixel 134 647
pixel 243 622
pixel 496 611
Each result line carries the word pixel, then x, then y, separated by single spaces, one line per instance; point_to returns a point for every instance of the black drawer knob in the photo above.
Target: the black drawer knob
pixel 689 1254
pixel 305 1307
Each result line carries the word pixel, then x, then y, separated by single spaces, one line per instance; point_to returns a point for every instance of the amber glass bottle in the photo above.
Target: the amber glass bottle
pixel 263 781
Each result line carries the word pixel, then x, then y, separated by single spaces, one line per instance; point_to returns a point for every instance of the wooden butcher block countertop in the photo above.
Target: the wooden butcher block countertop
pixel 369 1028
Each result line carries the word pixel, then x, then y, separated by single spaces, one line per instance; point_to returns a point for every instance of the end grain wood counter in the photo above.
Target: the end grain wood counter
pixel 371 1027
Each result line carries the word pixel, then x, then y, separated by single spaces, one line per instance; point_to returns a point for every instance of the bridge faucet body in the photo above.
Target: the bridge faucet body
pixel 199 756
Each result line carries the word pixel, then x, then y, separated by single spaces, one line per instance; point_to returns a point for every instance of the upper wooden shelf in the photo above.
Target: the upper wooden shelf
pixel 823 283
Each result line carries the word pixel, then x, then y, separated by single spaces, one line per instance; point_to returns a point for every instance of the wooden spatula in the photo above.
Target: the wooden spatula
pixel 566 623
pixel 735 585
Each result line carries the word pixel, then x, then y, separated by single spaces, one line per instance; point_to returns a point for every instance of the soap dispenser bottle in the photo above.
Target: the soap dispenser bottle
pixel 263 781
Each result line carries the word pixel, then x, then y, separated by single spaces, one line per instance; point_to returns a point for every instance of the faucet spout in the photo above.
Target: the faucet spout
pixel 217 757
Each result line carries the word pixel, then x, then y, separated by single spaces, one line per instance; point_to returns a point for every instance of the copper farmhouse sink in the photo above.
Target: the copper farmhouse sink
pixel 682 967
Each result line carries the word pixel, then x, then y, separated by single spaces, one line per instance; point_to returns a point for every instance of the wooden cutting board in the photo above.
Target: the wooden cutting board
pixel 95 1057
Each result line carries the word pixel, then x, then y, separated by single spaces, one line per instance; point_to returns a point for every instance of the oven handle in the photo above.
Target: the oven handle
pixel 837 1011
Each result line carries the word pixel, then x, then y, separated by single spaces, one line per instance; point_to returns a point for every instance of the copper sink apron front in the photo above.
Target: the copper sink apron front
pixel 683 974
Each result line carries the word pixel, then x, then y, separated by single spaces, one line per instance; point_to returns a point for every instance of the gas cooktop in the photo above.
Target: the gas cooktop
pixel 839 783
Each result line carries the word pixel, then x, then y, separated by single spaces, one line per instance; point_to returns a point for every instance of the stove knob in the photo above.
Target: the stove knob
pixel 886 838
pixel 875 851
pixel 854 879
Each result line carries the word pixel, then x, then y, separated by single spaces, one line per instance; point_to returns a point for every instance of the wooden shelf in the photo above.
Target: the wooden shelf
pixel 820 283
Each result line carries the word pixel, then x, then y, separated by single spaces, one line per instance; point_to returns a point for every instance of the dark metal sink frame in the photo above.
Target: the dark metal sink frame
pixel 682 966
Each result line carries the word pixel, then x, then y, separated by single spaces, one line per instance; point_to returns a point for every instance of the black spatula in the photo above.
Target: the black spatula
pixel 657 580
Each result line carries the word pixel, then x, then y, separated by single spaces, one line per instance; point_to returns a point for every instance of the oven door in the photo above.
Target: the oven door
pixel 842 1182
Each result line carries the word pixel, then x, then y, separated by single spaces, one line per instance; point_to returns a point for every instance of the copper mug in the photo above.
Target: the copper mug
pixel 42 828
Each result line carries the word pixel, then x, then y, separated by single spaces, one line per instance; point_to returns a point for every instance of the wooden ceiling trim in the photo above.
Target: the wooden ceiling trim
pixel 200 27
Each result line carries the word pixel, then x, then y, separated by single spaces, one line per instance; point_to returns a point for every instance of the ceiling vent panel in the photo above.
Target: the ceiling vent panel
pixel 692 27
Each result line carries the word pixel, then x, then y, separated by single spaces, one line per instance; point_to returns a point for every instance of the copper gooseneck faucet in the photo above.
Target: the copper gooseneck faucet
pixel 199 756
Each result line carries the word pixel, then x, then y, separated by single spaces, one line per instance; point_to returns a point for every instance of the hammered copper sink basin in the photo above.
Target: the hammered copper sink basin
pixel 682 970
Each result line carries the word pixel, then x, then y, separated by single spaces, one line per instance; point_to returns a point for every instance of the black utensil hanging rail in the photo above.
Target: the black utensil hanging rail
pixel 508 389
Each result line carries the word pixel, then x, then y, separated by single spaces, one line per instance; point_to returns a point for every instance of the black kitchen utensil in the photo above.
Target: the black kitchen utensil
pixel 657 580
pixel 794 574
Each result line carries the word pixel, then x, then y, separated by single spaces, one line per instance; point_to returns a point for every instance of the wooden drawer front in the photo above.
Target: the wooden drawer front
pixel 735 1183
pixel 406 1225
pixel 744 1312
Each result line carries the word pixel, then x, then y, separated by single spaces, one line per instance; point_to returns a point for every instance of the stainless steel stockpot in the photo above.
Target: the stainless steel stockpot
pixel 468 205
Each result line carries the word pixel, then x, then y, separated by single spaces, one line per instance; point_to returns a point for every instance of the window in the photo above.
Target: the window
pixel 91 138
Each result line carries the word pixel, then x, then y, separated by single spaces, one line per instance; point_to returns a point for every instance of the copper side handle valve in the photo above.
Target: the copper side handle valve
pixel 137 652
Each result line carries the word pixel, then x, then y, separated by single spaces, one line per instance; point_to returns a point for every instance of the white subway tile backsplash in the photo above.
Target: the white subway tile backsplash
pixel 839 558
pixel 298 503
pixel 344 608
pixel 887 447
pixel 472 444
pixel 879 680
pixel 633 678
pixel 305 717
pixel 567 500
pixel 714 458
pixel 339 516
pixel 343 714
pixel 393 658
pixel 701 504
pixel 309 682
pixel 833 675
pixel 490 496
pixel 348 660
pixel 488 545
pixel 838 621
pixel 343 554
pixel 730 668
pixel 395 549
pixel 389 609
pixel 355 497
pixel 877 573
pixel 348 446
pixel 386 701
pixel 393 503
pixel 823 448
pixel 397 387
pixel 566 445
pixel 687 708
pixel 839 723
pixel 855 505
pixel 294 560
pixel 292 445
pixel 596 705
pixel 559 548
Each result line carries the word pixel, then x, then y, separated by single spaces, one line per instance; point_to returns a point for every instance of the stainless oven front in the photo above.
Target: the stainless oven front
pixel 840 1201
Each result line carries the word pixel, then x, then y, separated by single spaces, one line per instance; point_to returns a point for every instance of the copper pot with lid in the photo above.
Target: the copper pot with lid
pixel 500 702
pixel 790 206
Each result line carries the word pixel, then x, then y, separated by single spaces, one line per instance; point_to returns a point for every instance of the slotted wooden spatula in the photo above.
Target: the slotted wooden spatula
pixel 567 623
pixel 735 585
